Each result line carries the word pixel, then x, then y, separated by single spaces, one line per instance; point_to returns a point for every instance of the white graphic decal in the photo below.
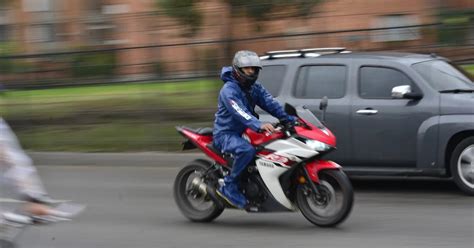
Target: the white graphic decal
pixel 277 158
pixel 239 110
pixel 325 131
pixel 267 164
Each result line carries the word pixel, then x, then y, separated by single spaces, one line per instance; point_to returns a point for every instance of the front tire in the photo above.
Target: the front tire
pixel 462 165
pixel 194 205
pixel 335 203
pixel 7 244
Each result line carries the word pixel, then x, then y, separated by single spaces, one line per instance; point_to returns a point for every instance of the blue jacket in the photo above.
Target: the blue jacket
pixel 234 111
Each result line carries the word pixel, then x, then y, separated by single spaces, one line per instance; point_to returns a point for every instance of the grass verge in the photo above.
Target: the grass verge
pixel 112 118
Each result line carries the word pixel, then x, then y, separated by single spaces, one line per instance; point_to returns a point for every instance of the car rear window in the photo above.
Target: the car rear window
pixel 317 81
pixel 271 77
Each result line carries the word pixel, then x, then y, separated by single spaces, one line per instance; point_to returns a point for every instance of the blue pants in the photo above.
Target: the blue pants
pixel 241 149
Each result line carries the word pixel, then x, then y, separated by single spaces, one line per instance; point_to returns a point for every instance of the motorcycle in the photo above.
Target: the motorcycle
pixel 14 223
pixel 289 173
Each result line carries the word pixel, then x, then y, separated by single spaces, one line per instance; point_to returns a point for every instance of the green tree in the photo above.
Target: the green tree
pixel 185 12
pixel 4 3
pixel 456 26
pixel 265 10
pixel 94 64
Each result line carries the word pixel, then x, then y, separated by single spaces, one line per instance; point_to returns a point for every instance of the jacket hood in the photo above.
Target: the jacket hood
pixel 226 74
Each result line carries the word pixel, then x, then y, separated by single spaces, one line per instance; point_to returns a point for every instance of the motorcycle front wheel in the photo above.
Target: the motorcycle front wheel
pixel 334 202
pixel 193 202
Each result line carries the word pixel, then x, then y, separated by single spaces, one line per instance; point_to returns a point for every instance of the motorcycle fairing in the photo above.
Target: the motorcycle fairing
pixel 202 142
pixel 270 174
pixel 314 167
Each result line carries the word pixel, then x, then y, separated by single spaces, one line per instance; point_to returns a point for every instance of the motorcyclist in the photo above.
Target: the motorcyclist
pixel 237 100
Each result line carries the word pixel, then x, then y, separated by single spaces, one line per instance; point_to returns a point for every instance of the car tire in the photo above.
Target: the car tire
pixel 462 165
pixel 7 244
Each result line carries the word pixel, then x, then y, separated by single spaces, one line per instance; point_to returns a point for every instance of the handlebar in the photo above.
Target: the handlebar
pixel 282 127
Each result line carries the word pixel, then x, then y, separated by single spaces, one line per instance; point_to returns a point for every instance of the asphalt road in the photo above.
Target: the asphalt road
pixel 132 206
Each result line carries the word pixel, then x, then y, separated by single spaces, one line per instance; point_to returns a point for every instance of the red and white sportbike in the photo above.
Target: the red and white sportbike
pixel 288 173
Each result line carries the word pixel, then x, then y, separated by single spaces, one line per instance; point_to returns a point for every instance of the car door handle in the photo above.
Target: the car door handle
pixel 367 111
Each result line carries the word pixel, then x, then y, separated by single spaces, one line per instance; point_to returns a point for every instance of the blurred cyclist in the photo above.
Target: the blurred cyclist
pixel 17 170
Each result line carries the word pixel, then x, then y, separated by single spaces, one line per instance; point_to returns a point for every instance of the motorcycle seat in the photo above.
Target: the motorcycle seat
pixel 205 131
pixel 225 155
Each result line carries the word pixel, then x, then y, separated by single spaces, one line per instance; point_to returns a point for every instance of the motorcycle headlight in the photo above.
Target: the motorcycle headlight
pixel 317 145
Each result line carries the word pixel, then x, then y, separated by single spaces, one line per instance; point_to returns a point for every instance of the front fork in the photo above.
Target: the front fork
pixel 311 170
pixel 313 185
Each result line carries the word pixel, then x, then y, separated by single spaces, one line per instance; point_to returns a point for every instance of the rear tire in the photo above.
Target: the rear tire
pixel 7 244
pixel 462 165
pixel 336 203
pixel 194 205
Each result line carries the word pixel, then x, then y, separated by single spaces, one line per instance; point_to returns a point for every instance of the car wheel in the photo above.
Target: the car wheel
pixel 462 165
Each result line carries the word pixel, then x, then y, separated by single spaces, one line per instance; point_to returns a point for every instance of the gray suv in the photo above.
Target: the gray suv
pixel 392 113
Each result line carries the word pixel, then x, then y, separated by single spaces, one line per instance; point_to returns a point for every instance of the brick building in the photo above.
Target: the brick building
pixel 45 26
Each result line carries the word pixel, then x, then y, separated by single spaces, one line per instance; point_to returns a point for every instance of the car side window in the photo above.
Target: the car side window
pixel 271 77
pixel 378 82
pixel 317 81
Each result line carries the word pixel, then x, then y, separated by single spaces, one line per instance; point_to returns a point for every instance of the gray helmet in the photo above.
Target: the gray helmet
pixel 246 59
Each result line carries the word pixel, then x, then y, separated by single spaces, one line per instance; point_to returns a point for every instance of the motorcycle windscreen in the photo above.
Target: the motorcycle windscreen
pixel 308 116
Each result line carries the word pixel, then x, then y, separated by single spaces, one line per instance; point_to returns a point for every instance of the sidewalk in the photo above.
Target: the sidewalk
pixel 113 159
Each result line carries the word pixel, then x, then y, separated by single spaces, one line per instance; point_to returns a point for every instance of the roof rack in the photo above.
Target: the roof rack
pixel 303 53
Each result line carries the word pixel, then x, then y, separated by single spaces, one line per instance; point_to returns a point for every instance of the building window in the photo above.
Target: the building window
pixel 321 80
pixel 61 32
pixel 4 33
pixel 36 5
pixel 100 33
pixel 41 33
pixel 395 34
pixel 94 5
pixel 115 9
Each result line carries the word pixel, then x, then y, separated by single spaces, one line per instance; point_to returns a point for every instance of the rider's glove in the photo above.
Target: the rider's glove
pixel 291 121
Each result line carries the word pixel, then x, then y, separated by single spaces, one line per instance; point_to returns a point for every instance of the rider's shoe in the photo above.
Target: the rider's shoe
pixel 231 194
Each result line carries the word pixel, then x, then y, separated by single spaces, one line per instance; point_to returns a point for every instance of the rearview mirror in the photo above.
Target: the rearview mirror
pixel 404 92
pixel 289 109
pixel 324 103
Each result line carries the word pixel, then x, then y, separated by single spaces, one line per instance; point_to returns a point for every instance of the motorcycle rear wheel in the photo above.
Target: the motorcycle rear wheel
pixel 335 202
pixel 194 205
